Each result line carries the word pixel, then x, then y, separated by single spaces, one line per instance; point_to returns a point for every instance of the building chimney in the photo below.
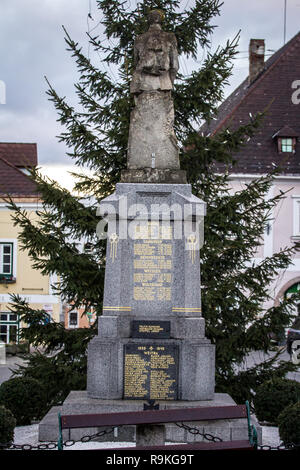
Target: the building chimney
pixel 256 58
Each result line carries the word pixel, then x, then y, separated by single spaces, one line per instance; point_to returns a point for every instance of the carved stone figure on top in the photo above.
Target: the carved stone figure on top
pixel 153 152
pixel 155 58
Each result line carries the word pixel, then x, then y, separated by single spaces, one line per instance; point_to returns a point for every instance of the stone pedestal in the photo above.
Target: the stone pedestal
pixel 152 142
pixel 151 339
pixel 195 377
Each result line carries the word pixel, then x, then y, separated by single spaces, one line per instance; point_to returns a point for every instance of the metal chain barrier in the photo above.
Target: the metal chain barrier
pixel 289 446
pixel 195 431
pixel 45 446
pixel 210 437
pixel 53 444
pixel 207 436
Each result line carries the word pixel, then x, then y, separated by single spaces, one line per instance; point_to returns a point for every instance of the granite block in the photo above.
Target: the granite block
pixel 150 435
pixel 105 363
pixel 188 328
pixel 197 365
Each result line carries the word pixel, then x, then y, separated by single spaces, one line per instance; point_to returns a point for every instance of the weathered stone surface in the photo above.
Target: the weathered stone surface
pixel 188 328
pixel 105 368
pixel 155 58
pixel 152 142
pixel 153 175
pixel 197 370
pixel 150 435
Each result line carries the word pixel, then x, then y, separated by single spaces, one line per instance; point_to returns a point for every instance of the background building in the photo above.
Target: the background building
pixel 78 318
pixel 272 86
pixel 16 272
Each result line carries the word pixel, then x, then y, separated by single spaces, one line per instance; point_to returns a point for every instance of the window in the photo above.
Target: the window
pixel 287 144
pixel 73 320
pixel 88 248
pixel 3 333
pixel 286 139
pixel 6 259
pixel 9 328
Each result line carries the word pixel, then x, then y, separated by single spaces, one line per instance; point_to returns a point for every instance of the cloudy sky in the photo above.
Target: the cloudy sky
pixel 32 46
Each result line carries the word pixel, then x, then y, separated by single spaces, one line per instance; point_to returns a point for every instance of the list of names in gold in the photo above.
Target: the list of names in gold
pixel 150 372
pixel 153 262
pixel 135 376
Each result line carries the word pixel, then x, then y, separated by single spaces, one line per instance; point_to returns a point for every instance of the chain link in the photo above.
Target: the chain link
pixel 53 444
pixel 289 446
pixel 210 437
pixel 207 436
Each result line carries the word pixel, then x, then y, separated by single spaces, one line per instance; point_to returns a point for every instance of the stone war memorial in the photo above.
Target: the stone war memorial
pixel 151 344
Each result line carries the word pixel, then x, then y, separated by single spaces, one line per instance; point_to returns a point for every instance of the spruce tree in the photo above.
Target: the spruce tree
pixel 233 288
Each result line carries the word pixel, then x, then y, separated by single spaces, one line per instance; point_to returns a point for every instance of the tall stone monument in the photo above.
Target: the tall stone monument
pixel 151 342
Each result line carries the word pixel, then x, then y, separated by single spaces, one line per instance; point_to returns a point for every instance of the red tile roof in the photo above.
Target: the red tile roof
pixel 272 89
pixel 12 180
pixel 19 154
pixel 286 131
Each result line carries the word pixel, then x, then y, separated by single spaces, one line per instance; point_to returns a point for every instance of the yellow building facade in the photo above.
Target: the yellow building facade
pixel 17 275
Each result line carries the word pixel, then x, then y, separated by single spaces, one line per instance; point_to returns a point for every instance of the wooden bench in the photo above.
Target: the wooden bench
pixel 157 417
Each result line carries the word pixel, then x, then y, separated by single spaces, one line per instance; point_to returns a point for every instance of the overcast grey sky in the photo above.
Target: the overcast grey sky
pixel 32 45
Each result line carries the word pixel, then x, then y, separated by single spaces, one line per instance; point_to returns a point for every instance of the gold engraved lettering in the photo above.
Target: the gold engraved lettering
pixel 150 371
pixel 153 262
pixel 150 328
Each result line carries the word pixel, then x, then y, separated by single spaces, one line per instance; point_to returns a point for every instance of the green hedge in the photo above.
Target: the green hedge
pixel 289 424
pixel 7 426
pixel 273 396
pixel 24 397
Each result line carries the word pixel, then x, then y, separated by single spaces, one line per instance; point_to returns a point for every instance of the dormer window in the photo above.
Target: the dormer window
pixel 286 140
pixel 287 144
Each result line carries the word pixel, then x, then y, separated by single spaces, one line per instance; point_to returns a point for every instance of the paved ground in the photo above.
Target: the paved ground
pixel 11 363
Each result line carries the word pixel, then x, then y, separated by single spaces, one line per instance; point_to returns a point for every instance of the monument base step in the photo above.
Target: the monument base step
pixel 78 402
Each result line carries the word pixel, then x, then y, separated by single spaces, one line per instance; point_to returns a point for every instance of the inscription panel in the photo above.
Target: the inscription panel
pixel 150 372
pixel 150 329
pixel 152 262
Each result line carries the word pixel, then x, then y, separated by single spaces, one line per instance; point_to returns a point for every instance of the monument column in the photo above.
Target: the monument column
pixel 151 337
